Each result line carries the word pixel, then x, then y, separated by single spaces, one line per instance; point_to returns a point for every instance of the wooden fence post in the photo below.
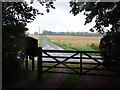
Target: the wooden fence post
pixel 39 67
pixel 33 64
pixel 80 63
pixel 26 63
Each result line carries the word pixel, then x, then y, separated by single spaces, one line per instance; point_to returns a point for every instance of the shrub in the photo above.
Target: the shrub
pixel 110 43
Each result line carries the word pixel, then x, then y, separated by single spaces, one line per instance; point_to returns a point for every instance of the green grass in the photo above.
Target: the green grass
pixel 81 48
pixel 93 46
pixel 72 47
pixel 40 44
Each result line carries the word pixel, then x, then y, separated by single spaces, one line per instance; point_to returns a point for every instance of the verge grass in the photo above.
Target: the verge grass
pixel 81 48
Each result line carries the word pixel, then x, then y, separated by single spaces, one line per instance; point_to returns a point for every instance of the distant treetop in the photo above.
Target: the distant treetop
pixel 45 32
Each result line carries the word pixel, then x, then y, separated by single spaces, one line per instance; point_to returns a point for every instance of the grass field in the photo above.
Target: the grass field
pixel 75 40
pixel 76 43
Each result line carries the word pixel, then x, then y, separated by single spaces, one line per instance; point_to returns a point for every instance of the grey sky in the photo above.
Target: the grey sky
pixel 58 19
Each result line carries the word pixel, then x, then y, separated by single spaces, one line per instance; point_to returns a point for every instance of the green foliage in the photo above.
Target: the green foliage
pixel 47 3
pixel 14 12
pixel 15 16
pixel 110 43
pixel 95 47
pixel 103 12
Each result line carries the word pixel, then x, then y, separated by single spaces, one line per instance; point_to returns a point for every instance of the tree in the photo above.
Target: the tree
pixel 105 13
pixel 15 16
pixel 110 43
pixel 47 3
pixel 35 33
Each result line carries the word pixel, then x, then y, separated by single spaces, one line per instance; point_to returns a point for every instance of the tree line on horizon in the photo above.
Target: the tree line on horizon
pixel 45 32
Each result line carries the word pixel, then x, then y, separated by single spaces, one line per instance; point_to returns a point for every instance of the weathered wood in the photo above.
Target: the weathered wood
pixel 80 62
pixel 92 58
pixel 66 61
pixel 61 62
pixel 83 68
pixel 52 67
pixel 72 51
pixel 69 62
pixel 95 69
pixel 91 68
pixel 61 72
pixel 50 56
pixel 72 57
pixel 26 63
pixel 33 63
pixel 39 63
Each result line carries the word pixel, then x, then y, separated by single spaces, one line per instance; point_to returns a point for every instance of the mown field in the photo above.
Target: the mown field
pixel 75 40
pixel 71 40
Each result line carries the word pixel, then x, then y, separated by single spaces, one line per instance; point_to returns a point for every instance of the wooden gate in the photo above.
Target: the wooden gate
pixel 57 55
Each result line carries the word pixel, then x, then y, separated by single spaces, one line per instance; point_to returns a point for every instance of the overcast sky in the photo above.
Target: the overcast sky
pixel 58 19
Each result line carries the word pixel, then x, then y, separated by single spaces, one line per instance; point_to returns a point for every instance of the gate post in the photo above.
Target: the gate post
pixel 39 63
pixel 80 62
pixel 33 64
pixel 26 63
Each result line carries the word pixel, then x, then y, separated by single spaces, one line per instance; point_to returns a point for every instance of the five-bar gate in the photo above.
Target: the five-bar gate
pixel 69 57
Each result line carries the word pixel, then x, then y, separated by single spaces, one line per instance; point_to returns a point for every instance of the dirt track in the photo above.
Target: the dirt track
pixel 57 81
